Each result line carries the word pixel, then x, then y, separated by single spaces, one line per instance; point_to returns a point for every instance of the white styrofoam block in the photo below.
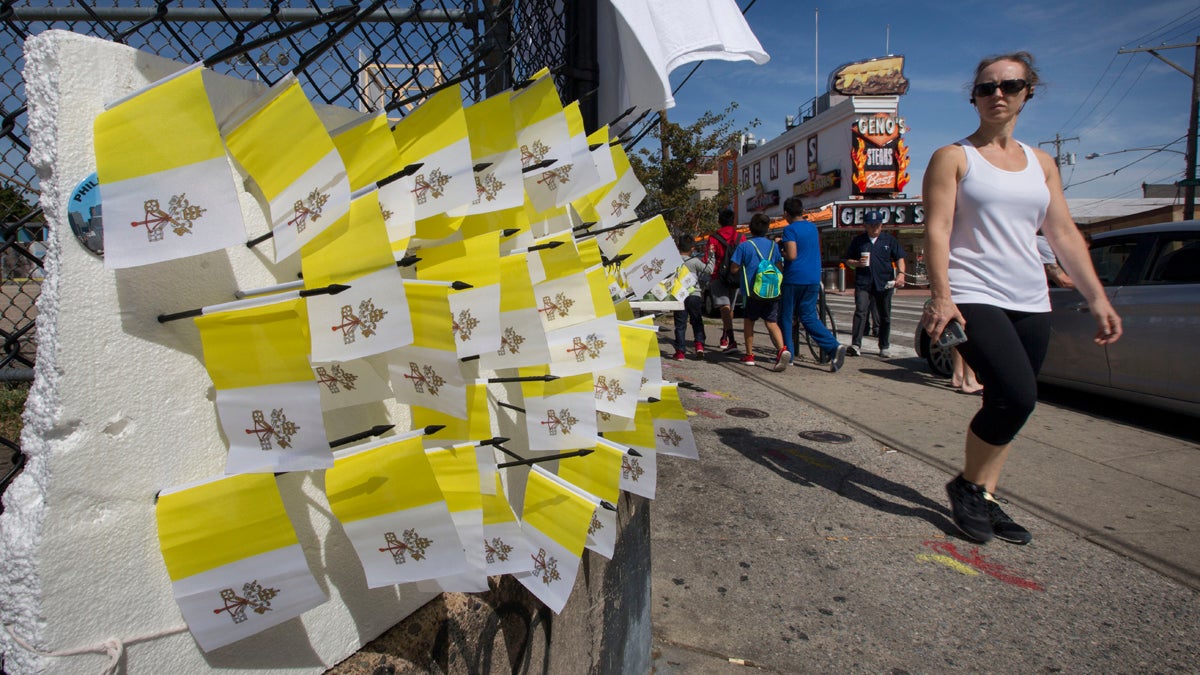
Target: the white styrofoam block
pixel 121 407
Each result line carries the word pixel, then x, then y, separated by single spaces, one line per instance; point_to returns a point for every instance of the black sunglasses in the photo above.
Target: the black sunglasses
pixel 1009 87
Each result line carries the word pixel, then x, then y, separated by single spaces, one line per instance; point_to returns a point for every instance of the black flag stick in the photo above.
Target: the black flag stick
pixel 535 460
pixel 508 452
pixel 373 431
pixel 583 226
pixel 534 378
pixel 540 165
pixel 509 231
pixel 481 166
pixel 541 247
pixel 406 171
pixel 510 406
pixel 622 116
pixel 408 261
pixel 331 289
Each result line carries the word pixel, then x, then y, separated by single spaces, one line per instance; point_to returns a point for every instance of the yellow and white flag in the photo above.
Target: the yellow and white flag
pixel 506 549
pixel 287 151
pixel 475 311
pixel 617 202
pixel 434 135
pixel 267 397
pixel 166 185
pixel 639 475
pixel 371 317
pixel 653 256
pixel 499 185
pixel 543 135
pixel 559 414
pixel 584 177
pixel 476 425
pixel 347 383
pixel 617 389
pixel 458 474
pixel 235 563
pixel 388 500
pixel 367 150
pixel 427 372
pixel 555 518
pixel 594 344
pixel 565 297
pixel 522 337
pixel 599 474
pixel 672 431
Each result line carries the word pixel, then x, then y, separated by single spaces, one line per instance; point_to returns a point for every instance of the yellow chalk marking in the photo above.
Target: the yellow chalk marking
pixel 948 562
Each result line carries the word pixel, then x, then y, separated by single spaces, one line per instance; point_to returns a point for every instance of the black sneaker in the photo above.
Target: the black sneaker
pixel 837 359
pixel 1002 525
pixel 971 509
pixel 853 350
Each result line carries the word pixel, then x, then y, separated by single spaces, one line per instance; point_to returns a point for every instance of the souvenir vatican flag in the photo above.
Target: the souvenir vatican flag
pixel 559 414
pixel 653 256
pixel 616 389
pixel 267 397
pixel 287 151
pixel 371 316
pixel 347 383
pixel 499 185
pixel 167 188
pixel 506 549
pixel 367 150
pixel 458 474
pixel 584 176
pixel 434 135
pixel 543 135
pixel 564 296
pixel 388 500
pixel 594 344
pixel 427 373
pixel 475 311
pixel 639 475
pixel 555 518
pixel 522 338
pixel 672 431
pixel 599 474
pixel 235 564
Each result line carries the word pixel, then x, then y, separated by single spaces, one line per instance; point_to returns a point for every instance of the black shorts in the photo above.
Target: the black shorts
pixel 767 310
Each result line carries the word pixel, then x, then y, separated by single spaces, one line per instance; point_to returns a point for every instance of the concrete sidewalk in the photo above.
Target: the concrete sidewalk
pixel 818 539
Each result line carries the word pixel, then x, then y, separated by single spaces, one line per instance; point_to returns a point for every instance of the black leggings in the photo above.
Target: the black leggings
pixel 1006 350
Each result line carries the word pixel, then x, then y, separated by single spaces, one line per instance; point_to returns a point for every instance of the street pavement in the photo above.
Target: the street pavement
pixel 817 538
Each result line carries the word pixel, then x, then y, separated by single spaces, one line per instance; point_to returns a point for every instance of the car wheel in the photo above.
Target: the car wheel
pixel 940 360
pixel 710 310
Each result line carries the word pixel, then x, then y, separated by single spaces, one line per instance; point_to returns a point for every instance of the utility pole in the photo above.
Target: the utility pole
pixel 1059 158
pixel 1189 181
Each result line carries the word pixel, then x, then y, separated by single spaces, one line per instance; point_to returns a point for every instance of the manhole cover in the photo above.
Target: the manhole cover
pixel 752 413
pixel 825 436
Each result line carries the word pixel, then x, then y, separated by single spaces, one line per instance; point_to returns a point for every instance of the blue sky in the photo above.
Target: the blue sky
pixel 1109 101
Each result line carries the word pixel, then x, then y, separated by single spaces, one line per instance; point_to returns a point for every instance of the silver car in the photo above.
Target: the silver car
pixel 1152 276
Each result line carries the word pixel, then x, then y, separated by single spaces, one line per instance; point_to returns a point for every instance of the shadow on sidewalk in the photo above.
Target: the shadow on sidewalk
pixel 807 466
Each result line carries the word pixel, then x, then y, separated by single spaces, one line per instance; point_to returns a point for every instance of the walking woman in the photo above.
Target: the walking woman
pixel 985 198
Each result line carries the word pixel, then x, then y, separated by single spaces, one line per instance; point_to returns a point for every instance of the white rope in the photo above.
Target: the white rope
pixel 113 647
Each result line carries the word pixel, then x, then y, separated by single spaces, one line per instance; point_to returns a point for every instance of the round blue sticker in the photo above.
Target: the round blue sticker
pixel 83 211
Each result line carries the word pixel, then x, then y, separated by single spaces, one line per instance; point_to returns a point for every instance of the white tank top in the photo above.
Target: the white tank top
pixel 993 247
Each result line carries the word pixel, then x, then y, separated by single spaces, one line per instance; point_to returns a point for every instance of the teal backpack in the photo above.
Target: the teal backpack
pixel 767 280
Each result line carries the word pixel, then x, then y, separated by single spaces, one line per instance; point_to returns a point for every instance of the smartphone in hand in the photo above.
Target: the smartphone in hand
pixel 952 335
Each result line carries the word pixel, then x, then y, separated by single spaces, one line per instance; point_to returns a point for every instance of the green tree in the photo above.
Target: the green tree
pixel 690 150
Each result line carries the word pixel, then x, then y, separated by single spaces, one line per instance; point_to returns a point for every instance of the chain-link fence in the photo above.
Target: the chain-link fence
pixel 366 56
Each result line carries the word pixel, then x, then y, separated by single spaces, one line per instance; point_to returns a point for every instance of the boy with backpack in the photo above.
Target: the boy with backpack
pixel 723 286
pixel 758 261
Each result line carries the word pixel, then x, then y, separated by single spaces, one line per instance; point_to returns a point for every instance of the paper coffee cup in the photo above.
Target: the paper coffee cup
pixel 866 257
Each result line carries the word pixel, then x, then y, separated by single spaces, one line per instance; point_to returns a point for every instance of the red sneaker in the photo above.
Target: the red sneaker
pixel 724 341
pixel 782 359
pixel 699 348
pixel 748 359
pixel 679 356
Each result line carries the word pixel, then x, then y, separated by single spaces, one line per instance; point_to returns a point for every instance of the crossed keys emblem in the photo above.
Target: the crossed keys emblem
pixel 652 268
pixel 582 348
pixel 559 307
pixel 463 325
pixel 532 154
pixel 510 341
pixel 552 178
pixel 180 215
pixel 434 186
pixel 487 187
pixel 595 526
pixel 424 377
pixel 308 208
pixel 365 322
pixel 621 203
pixel 631 469
pixel 545 567
pixel 279 429
pixel 495 550
pixel 256 598
pixel 562 421
pixel 413 545
pixel 610 389
pixel 670 436
pixel 335 377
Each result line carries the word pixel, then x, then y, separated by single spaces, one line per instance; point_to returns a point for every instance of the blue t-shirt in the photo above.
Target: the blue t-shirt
pixel 748 258
pixel 806 268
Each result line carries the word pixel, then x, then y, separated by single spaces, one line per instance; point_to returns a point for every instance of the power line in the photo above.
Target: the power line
pixel 1122 99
